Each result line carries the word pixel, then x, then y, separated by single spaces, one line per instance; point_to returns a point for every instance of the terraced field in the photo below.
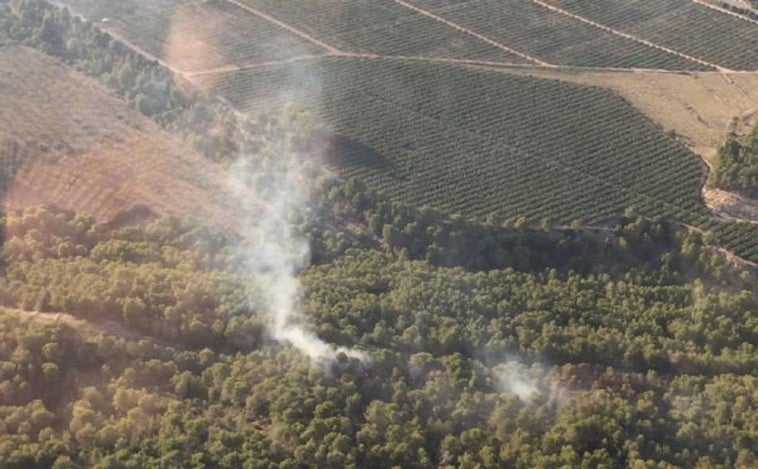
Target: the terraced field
pixel 480 143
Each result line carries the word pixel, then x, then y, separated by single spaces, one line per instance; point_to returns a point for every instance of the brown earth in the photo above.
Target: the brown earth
pixel 86 150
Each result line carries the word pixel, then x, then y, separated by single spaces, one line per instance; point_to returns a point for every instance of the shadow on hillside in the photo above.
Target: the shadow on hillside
pixel 346 154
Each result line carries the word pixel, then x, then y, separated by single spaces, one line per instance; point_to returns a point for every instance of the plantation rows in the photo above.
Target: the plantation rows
pixel 739 238
pixel 123 10
pixel 556 38
pixel 380 27
pixel 682 25
pixel 482 143
pixel 197 35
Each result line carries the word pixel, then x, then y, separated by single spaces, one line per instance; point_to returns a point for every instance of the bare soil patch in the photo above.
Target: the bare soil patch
pixel 87 151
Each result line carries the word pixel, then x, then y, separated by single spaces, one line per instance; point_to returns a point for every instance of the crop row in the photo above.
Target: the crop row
pixel 477 142
pixel 682 25
pixel 556 38
pixel 739 238
pixel 380 27
pixel 200 35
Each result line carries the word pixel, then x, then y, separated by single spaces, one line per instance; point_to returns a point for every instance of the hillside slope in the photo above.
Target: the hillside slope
pixel 483 143
pixel 83 149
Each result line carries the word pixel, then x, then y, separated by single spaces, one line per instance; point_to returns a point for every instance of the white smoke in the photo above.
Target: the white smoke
pixel 276 182
pixel 514 378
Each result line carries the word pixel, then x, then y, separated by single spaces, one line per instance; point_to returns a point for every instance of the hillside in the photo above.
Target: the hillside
pixel 83 149
pixel 502 266
pixel 540 35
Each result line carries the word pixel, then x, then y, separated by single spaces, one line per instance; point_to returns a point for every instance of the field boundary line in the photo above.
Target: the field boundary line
pixel 481 37
pixel 501 66
pixel 725 11
pixel 239 68
pixel 331 49
pixel 630 36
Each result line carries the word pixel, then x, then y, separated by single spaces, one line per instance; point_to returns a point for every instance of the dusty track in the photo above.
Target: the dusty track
pixel 477 63
pixel 630 37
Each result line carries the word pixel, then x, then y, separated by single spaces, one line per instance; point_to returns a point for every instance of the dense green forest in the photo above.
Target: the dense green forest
pixel 143 343
pixel 498 368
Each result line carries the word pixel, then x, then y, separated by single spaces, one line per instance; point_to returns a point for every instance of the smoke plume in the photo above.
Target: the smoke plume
pixel 274 181
pixel 277 182
pixel 514 378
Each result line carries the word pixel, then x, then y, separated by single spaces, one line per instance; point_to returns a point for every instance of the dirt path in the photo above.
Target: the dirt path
pixel 357 55
pixel 629 36
pixel 725 11
pixel 293 30
pixel 237 68
pixel 472 33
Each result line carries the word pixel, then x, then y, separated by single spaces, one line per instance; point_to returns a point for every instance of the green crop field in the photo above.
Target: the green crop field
pixel 469 141
pixel 740 238
pixel 555 38
pixel 481 143
pixel 683 25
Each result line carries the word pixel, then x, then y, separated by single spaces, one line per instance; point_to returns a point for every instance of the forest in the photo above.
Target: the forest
pixel 146 343
pixel 736 164
pixel 468 368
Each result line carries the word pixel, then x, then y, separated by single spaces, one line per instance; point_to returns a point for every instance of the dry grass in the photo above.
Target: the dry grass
pixel 88 152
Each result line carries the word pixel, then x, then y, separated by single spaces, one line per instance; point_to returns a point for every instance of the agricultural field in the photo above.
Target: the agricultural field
pixel 555 38
pixel 381 27
pixel 197 36
pixel 700 108
pixel 483 143
pixel 683 25
pixel 472 141
pixel 81 148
